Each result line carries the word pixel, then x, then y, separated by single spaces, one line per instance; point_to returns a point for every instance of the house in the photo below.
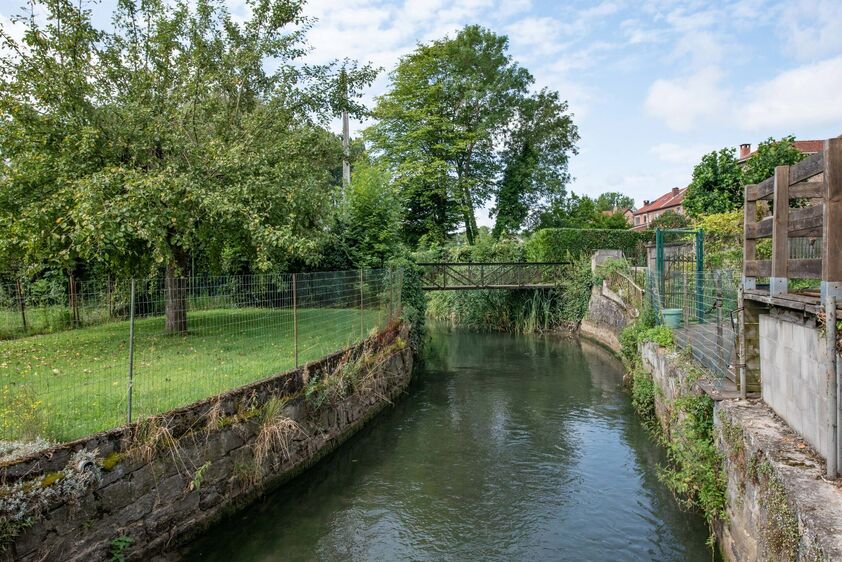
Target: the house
pixel 670 201
pixel 627 213
pixel 807 147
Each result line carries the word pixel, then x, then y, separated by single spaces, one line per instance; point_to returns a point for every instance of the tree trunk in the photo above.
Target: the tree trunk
pixel 175 290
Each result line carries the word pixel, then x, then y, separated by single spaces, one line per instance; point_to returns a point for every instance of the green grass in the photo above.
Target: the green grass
pixel 70 384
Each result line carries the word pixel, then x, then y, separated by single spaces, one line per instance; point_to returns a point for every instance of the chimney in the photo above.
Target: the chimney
pixel 745 150
pixel 645 202
pixel 674 191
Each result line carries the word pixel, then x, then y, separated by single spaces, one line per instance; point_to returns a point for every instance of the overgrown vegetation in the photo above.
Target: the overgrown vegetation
pixel 560 244
pixel 694 471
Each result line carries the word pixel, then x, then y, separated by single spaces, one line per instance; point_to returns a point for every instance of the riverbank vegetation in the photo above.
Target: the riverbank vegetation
pixel 694 471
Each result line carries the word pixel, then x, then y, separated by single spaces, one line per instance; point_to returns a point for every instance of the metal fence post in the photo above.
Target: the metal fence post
pixel 21 303
pixel 295 317
pixel 700 272
pixel 832 386
pixel 362 308
pixel 131 355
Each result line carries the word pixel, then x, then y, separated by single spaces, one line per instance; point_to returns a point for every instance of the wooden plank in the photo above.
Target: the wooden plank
pixel 780 234
pixel 757 268
pixel 749 245
pixel 832 252
pixel 759 229
pixel 807 168
pixel 759 191
pixel 807 190
pixel 806 219
pixel 805 268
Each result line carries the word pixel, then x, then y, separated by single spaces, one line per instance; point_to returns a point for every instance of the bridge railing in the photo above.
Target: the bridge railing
pixel 443 276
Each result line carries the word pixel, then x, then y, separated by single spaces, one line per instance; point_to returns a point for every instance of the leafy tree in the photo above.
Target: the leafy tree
pixel 371 216
pixel 577 211
pixel 612 200
pixel 670 219
pixel 535 160
pixel 716 186
pixel 446 122
pixel 163 137
pixel 771 153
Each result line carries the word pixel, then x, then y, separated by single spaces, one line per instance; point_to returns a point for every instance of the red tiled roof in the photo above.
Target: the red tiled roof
pixel 805 146
pixel 665 201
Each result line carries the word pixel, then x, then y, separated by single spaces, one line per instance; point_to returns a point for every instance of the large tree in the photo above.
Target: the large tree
pixel 537 151
pixel 166 135
pixel 769 154
pixel 716 186
pixel 446 122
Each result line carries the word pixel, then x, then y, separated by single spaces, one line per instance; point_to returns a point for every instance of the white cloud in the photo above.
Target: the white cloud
pixel 687 155
pixel 805 96
pixel 812 28
pixel 682 102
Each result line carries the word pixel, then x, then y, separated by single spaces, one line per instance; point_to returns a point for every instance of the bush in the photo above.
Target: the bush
pixel 413 301
pixel 559 244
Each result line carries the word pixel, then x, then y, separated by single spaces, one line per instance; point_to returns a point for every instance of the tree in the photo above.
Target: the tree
pixel 445 122
pixel 577 211
pixel 670 219
pixel 371 216
pixel 164 137
pixel 716 186
pixel 535 160
pixel 614 200
pixel 771 153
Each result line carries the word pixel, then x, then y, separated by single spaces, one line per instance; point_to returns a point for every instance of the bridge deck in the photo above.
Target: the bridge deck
pixel 466 276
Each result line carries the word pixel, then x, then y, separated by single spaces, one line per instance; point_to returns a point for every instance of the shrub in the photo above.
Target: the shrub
pixel 559 244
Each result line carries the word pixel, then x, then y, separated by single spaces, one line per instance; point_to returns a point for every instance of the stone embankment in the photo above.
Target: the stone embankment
pixel 778 504
pixel 140 490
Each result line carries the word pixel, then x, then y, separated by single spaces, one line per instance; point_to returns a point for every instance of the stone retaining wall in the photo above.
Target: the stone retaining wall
pixel 606 317
pixel 779 507
pixel 145 488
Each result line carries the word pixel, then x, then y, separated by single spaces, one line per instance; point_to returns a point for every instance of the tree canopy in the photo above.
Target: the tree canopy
pixel 164 136
pixel 716 186
pixel 458 128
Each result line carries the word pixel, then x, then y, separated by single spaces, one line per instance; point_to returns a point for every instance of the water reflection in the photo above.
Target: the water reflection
pixel 507 448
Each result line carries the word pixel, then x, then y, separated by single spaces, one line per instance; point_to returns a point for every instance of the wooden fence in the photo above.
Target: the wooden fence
pixel 816 183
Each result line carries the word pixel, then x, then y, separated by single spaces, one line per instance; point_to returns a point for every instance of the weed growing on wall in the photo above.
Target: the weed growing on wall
pixel 694 472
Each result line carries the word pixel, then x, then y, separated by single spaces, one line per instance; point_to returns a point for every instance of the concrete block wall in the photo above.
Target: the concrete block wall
pixel 793 377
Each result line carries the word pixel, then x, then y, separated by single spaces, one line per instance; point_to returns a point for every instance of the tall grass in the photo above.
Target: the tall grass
pixel 518 310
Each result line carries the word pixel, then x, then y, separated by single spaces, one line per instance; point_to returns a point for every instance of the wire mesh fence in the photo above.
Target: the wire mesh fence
pixel 138 348
pixel 701 308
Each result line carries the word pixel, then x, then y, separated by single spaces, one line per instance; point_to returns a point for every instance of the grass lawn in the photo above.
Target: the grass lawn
pixel 69 384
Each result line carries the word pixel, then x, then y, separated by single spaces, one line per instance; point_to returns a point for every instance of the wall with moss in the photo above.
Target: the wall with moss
pixel 140 490
pixel 757 482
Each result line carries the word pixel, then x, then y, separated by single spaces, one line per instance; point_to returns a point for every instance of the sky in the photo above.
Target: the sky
pixel 653 85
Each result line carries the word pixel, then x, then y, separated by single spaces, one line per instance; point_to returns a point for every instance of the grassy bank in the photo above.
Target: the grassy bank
pixel 69 384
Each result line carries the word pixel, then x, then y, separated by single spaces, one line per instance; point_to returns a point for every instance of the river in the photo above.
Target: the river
pixel 506 448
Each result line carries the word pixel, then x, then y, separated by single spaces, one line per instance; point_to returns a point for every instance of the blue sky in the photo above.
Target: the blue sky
pixel 653 85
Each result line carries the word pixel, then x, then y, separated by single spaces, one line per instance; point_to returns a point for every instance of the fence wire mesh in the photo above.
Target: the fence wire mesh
pixel 703 307
pixel 108 353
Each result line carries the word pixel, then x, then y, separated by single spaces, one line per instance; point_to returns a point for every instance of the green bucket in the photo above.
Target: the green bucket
pixel 672 317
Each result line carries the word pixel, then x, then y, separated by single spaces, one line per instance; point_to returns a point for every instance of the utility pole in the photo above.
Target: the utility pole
pixel 346 133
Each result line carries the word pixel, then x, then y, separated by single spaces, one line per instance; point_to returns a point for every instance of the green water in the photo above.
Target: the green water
pixel 506 448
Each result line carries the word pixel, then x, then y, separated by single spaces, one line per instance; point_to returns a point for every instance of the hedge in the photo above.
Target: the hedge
pixel 558 244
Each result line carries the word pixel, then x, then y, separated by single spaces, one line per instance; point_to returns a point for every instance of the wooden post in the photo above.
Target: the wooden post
pixel 832 220
pixel 749 245
pixel 779 282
